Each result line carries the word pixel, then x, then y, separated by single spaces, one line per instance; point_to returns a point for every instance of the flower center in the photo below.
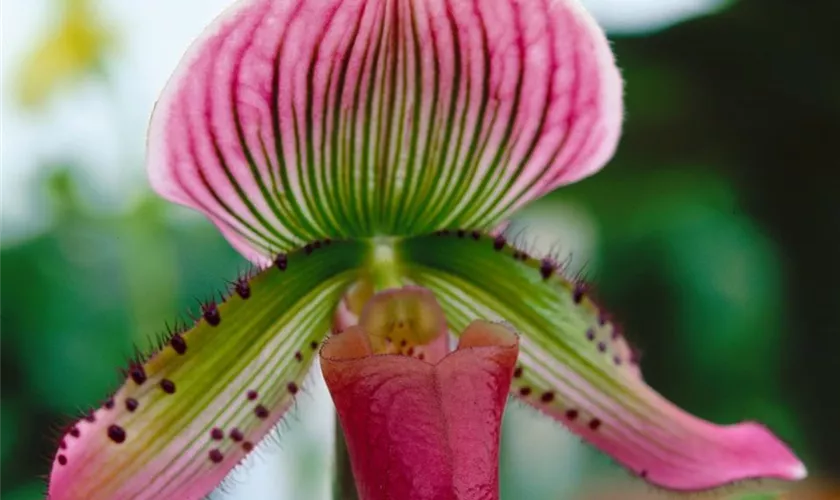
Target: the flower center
pixel 404 321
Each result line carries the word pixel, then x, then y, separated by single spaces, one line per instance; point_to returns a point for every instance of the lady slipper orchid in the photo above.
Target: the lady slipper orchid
pixel 420 423
pixel 352 146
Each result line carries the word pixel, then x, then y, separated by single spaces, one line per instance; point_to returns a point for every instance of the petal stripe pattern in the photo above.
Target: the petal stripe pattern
pixel 188 415
pixel 575 369
pixel 291 120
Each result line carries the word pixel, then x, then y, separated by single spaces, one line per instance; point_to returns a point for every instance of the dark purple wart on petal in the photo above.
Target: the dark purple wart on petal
pixel 594 424
pixel 525 391
pixel 62 443
pixel 210 312
pixel 571 414
pixel 178 343
pixel 261 411
pixel 242 287
pixel 109 403
pixel 168 386
pixel 292 387
pixel 90 416
pixel 74 431
pixel 517 372
pixel 131 404
pixel 547 267
pixel 307 249
pixel 499 242
pixel 62 460
pixel 313 345
pixel 547 397
pixel 236 435
pixel 281 262
pixel 579 291
pixel 137 373
pixel 217 434
pixel 215 455
pixel 602 346
pixel 590 334
pixel 116 433
pixel 298 356
pixel 247 446
pixel 251 395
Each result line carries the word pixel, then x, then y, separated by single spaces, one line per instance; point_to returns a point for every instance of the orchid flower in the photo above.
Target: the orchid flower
pixel 348 147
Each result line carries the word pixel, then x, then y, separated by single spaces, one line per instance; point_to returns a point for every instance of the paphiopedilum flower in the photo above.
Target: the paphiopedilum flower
pixel 420 424
pixel 350 146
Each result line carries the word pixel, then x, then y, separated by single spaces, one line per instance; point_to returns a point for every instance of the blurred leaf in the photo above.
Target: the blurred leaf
pixel 148 260
pixel 727 282
pixel 62 190
pixel 74 48
pixel 9 427
pixel 33 490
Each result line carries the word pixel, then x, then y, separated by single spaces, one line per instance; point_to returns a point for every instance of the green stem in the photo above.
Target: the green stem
pixel 383 266
pixel 344 485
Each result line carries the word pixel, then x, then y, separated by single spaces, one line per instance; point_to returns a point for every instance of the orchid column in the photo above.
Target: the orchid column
pixel 349 146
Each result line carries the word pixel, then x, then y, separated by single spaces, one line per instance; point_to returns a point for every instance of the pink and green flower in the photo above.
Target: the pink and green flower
pixel 352 147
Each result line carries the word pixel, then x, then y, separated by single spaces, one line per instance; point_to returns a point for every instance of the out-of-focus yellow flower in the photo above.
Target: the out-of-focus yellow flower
pixel 73 48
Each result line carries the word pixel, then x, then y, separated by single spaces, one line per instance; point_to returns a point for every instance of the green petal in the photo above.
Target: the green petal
pixel 577 368
pixel 188 415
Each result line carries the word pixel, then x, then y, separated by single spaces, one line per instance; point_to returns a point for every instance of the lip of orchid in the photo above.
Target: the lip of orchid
pixel 415 428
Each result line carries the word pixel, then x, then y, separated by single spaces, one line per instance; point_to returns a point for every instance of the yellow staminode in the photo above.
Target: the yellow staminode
pixel 401 318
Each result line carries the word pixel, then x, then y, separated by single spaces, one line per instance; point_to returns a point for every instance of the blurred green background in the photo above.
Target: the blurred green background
pixel 713 235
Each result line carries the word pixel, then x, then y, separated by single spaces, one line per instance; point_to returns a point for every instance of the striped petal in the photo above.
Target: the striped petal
pixel 290 120
pixel 576 367
pixel 188 415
